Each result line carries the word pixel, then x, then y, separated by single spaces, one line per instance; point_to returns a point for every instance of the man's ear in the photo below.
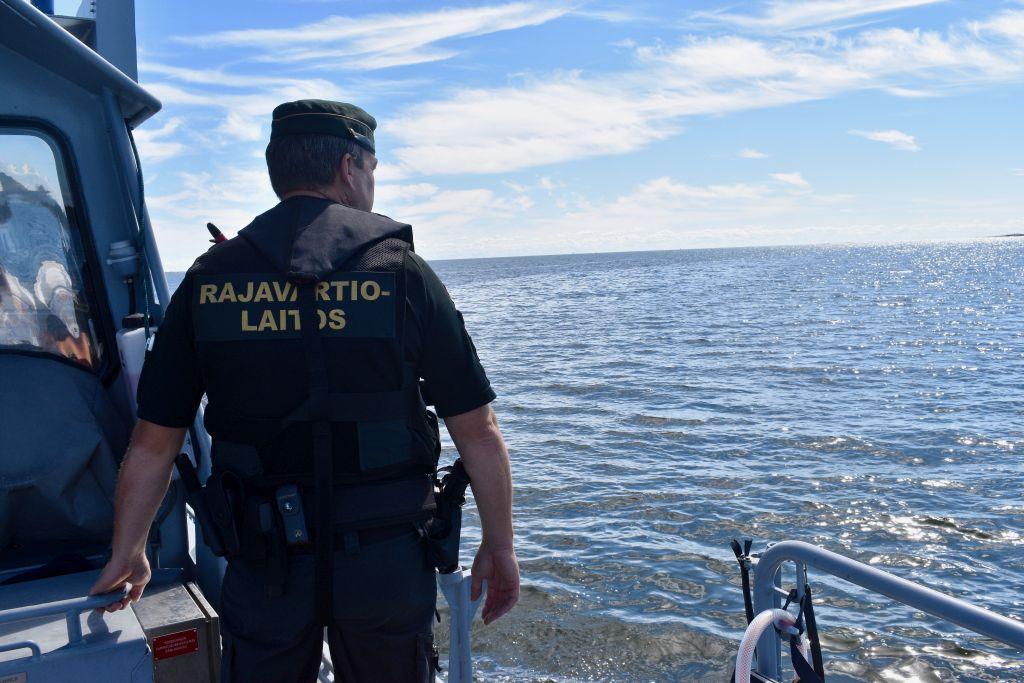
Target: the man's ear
pixel 345 170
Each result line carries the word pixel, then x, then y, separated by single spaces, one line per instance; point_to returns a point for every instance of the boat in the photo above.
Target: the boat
pixel 82 290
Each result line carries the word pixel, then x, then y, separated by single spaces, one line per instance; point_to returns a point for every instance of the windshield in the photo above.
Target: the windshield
pixel 43 306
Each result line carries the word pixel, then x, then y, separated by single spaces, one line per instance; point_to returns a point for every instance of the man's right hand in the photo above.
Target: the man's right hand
pixel 118 572
pixel 500 569
pixel 141 485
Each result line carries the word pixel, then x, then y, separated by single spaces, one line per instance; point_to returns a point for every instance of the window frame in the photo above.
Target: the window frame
pixel 93 286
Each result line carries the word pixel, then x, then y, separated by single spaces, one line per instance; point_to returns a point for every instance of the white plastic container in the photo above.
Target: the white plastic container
pixel 131 346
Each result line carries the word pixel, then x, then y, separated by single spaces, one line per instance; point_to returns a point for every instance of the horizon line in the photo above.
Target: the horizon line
pixel 749 246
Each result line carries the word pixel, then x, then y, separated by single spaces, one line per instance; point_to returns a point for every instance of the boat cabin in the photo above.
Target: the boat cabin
pixel 81 292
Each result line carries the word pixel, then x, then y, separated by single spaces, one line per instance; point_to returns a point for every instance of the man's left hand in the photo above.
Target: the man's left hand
pixel 500 569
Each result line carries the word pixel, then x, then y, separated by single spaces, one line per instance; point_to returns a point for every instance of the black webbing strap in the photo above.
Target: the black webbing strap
pixel 812 633
pixel 743 559
pixel 323 451
pixel 803 670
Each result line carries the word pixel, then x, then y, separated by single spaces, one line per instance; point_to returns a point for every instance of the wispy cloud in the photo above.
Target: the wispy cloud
pixel 664 212
pixel 783 15
pixel 227 195
pixel 1008 23
pixel 752 154
pixel 215 77
pixel 432 208
pixel 895 138
pixel 154 145
pixel 794 179
pixel 569 115
pixel 1017 172
pixel 245 113
pixel 379 41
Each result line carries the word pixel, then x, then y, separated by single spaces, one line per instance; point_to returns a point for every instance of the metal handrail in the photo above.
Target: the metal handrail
pixel 23 645
pixel 971 617
pixel 70 608
pixel 73 607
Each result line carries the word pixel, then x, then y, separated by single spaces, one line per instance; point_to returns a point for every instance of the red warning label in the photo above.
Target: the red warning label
pixel 175 644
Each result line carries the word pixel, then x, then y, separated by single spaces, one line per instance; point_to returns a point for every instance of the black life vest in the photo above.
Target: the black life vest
pixel 278 387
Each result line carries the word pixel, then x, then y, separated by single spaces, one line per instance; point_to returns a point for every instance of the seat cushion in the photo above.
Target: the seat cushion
pixel 61 440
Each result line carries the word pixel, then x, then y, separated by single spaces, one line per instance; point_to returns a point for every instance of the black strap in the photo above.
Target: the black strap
pixel 323 451
pixel 743 559
pixel 812 633
pixel 803 670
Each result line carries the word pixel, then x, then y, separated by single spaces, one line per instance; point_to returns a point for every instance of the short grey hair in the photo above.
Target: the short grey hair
pixel 307 161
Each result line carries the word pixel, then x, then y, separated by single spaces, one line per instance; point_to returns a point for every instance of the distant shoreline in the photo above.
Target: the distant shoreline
pixel 1012 234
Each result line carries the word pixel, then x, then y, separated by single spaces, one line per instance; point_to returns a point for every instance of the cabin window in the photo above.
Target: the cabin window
pixel 43 302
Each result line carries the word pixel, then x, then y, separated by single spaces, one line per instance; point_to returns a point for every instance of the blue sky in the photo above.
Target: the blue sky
pixel 548 127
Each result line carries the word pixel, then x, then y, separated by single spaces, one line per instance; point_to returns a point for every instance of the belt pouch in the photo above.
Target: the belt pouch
pixel 444 532
pixel 276 572
pixel 254 545
pixel 222 494
pixel 385 503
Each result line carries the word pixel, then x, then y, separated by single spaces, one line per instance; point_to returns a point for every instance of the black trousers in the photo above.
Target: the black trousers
pixel 381 631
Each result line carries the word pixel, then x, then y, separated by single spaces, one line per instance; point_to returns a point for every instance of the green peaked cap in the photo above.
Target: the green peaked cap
pixel 325 117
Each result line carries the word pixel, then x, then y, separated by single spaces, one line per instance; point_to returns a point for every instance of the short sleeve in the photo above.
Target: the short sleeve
pixel 171 385
pixel 454 379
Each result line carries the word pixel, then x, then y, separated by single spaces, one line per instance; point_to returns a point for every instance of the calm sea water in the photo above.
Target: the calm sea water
pixel 658 404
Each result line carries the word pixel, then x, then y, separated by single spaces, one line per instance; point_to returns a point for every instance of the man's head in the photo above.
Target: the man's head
pixel 323 148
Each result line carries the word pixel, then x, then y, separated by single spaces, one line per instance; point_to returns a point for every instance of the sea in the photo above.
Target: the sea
pixel 656 405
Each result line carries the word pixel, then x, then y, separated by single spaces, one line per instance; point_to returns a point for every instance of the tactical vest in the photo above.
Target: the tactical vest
pixel 306 307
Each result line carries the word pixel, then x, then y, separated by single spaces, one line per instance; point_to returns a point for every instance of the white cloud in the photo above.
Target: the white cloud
pixel 662 213
pixel 228 196
pixel 379 41
pixel 895 138
pixel 391 194
pixel 548 185
pixel 752 154
pixel 781 15
pixel 245 113
pixel 429 205
pixel 217 77
pixel 259 103
pixel 1017 172
pixel 568 115
pixel 668 213
pixel 493 130
pixel 794 179
pixel 154 146
pixel 1008 24
pixel 241 127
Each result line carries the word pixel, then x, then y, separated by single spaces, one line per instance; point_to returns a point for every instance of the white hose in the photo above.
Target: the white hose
pixel 761 623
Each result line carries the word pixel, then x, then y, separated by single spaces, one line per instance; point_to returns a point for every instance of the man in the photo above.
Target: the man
pixel 309 333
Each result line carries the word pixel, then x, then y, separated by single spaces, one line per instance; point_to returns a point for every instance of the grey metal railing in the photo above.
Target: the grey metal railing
pixel 69 609
pixel 767 596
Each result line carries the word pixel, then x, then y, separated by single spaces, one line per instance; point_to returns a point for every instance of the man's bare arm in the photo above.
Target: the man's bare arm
pixel 141 486
pixel 479 441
